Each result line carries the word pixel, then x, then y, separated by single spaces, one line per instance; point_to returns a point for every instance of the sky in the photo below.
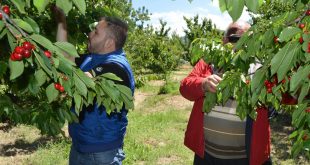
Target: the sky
pixel 172 11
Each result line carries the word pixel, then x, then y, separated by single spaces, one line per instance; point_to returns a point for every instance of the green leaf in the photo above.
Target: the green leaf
pixel 51 93
pixel 298 115
pixel 299 76
pixel 3 68
pixel 1 25
pixel 33 86
pixel 33 24
pixel 129 104
pixel 111 76
pixel 80 86
pixel 304 91
pixel 20 5
pixel 41 77
pixel 42 41
pixel 65 5
pixel 42 64
pixel 87 80
pixel 305 47
pixel 268 38
pixel 125 90
pixel 40 4
pixel 24 25
pixel 288 33
pixel 3 33
pixel 294 134
pixel 235 8
pixel 77 101
pixel 209 102
pixel 81 5
pixel 12 41
pixel 223 5
pixel 253 5
pixel 68 48
pixel 258 79
pixel 16 69
pixel 283 60
pixel 65 67
pixel 109 90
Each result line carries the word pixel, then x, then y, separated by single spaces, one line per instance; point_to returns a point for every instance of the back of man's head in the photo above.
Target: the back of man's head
pixel 117 29
pixel 235 31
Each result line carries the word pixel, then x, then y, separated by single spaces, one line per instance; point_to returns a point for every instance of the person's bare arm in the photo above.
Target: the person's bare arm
pixel 62 32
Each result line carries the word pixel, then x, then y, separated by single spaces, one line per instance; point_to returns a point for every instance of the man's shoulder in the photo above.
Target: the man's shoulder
pixel 79 60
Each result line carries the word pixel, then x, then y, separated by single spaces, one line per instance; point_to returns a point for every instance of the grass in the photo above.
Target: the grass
pixel 52 153
pixel 153 137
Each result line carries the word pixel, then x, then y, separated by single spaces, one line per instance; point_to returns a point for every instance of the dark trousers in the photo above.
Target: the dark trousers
pixel 210 160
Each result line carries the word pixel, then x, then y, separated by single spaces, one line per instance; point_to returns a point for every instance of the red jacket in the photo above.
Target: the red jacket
pixel 257 132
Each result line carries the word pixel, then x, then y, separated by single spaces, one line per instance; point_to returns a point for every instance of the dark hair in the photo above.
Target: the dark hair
pixel 118 29
pixel 231 35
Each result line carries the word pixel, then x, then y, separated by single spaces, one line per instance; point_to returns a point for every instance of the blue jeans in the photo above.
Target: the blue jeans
pixel 111 157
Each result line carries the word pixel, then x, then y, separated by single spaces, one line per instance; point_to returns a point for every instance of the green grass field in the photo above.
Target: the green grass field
pixel 154 135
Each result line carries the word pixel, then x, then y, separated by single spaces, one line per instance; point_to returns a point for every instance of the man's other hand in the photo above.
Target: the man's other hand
pixel 89 74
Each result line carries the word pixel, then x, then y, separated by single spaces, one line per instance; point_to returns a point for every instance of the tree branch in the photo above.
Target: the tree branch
pixel 6 19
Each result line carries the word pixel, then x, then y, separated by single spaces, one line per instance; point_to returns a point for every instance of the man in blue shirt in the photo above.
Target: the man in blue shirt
pixel 98 137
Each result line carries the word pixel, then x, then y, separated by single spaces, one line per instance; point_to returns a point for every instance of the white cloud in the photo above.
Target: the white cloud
pixel 175 20
pixel 215 3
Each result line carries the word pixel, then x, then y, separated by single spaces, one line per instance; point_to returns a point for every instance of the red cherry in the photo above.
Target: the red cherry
pixel 283 81
pixel 308 12
pixel 275 39
pixel 27 54
pixel 247 82
pixel 16 56
pixel 61 89
pixel 266 82
pixel 301 40
pixel 269 90
pixel 19 50
pixel 6 9
pixel 308 110
pixel 1 16
pixel 65 78
pixel 47 53
pixel 13 57
pixel 57 86
pixel 27 45
pixel 301 26
pixel 305 137
pixel 270 85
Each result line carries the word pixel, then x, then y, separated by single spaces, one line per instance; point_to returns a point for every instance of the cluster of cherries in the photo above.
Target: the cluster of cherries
pixel 25 51
pixel 59 87
pixel 21 52
pixel 5 9
pixel 269 84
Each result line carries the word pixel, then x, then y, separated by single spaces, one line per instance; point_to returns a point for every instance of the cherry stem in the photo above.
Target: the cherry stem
pixel 6 19
pixel 298 20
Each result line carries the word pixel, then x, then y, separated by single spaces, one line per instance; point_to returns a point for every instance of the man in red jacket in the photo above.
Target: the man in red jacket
pixel 221 137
